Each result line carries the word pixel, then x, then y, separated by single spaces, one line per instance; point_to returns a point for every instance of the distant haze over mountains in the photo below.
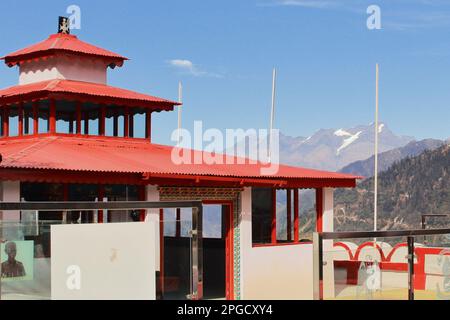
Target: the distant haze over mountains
pixel 333 149
pixel 386 159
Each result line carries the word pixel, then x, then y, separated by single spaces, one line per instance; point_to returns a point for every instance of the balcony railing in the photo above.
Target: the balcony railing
pixel 382 265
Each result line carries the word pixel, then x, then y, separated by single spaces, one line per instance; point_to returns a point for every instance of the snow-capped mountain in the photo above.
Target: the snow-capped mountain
pixel 332 149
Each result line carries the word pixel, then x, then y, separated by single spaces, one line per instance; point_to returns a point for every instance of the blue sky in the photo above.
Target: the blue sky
pixel 323 51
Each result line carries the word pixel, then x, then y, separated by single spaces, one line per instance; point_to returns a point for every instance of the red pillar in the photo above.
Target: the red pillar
pixel 35 117
pixel 319 209
pixel 319 226
pixel 78 117
pixel 6 121
pixel 229 264
pixel 20 127
pixel 52 117
pixel 274 216
pixel 26 122
pixel 102 121
pixel 126 120
pixel 296 219
pixel 131 126
pixel 116 124
pixel 148 125
pixel 86 122
pixel 289 214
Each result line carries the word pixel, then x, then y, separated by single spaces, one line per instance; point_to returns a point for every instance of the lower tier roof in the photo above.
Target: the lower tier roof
pixel 151 161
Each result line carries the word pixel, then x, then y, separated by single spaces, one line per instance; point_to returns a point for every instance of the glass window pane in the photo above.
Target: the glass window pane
pixel 43 192
pixel 186 221
pixel 170 215
pixel 261 215
pixel 122 193
pixel 307 214
pixel 212 221
pixel 281 215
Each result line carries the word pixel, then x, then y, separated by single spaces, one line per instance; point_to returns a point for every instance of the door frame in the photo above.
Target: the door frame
pixel 229 245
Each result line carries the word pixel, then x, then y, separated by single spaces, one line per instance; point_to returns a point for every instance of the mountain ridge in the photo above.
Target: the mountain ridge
pixel 386 159
pixel 409 188
pixel 333 149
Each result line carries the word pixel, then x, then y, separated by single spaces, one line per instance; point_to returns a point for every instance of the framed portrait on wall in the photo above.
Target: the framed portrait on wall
pixel 17 260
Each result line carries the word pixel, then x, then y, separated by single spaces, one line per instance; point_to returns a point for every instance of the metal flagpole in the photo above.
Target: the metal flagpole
pixel 272 112
pixel 180 98
pixel 375 198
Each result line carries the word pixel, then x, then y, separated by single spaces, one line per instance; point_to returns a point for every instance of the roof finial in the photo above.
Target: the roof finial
pixel 63 25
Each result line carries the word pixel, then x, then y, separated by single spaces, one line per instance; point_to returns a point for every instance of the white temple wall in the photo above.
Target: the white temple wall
pixel 10 192
pixel 152 194
pixel 64 68
pixel 272 272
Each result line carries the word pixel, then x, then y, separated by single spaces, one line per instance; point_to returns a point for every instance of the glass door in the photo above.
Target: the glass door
pixel 181 263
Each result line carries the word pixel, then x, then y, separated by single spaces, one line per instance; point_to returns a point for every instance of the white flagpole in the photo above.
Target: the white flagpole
pixel 272 112
pixel 375 195
pixel 180 100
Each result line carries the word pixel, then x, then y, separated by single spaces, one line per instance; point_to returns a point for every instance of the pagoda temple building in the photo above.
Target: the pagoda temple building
pixel 67 135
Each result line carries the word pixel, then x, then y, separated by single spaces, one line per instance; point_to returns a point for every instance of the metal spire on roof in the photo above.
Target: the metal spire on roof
pixel 375 193
pixel 63 25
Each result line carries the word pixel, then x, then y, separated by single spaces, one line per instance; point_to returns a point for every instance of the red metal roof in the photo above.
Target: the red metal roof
pixel 60 43
pixel 119 155
pixel 81 90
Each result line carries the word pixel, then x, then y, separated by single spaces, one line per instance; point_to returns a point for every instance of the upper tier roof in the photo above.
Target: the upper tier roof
pixel 128 156
pixel 82 91
pixel 61 43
